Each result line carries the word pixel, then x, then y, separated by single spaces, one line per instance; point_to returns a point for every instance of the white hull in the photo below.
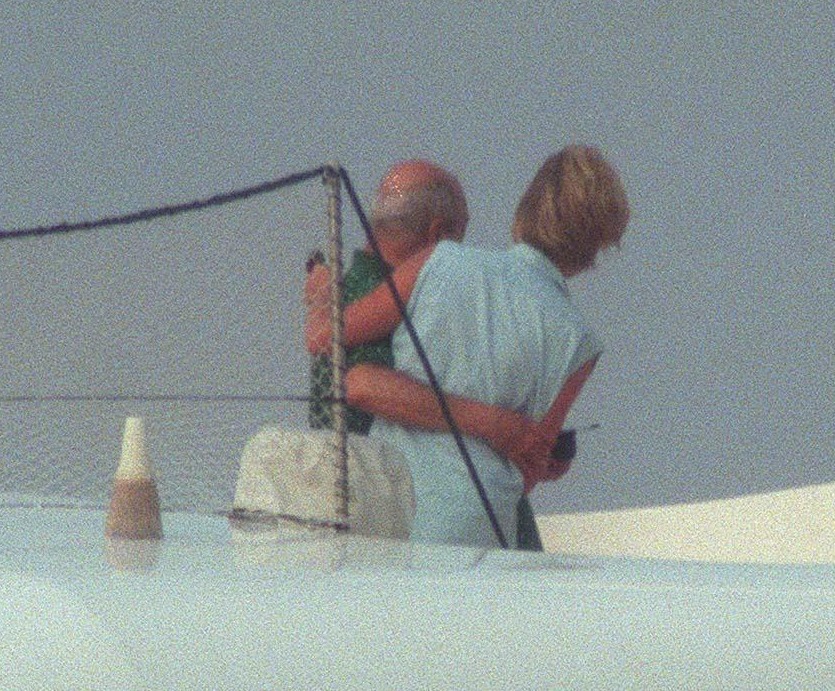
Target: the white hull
pixel 793 526
pixel 213 607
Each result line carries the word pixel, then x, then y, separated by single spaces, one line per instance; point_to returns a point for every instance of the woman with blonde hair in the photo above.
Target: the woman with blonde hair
pixel 498 329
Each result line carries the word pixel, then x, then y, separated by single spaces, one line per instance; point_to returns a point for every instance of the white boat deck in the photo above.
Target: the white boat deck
pixel 212 606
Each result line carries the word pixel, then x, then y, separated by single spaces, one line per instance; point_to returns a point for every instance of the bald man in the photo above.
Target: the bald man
pixel 417 204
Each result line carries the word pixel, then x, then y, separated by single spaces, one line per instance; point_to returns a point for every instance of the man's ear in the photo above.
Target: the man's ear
pixel 438 230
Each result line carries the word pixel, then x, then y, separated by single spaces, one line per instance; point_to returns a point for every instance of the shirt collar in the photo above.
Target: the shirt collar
pixel 540 263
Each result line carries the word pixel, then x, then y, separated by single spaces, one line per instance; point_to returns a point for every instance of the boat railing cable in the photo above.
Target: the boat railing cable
pixel 166 398
pixel 168 210
pixel 227 198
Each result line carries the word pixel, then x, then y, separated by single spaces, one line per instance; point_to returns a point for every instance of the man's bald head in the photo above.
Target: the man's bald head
pixel 406 176
pixel 420 197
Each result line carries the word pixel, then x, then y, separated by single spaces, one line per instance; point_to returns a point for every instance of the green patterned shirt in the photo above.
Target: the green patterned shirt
pixel 365 273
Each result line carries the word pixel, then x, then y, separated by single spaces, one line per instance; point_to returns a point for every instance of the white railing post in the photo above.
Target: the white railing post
pixel 338 412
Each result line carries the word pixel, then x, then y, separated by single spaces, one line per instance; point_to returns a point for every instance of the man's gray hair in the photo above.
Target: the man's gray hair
pixel 415 209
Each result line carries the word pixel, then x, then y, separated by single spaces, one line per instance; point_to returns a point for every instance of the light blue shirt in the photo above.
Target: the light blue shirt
pixel 499 327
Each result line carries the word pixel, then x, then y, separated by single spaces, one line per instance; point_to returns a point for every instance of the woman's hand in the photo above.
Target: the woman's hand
pixel 528 445
pixel 317 332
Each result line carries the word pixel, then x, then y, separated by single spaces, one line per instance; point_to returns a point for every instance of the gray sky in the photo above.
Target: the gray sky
pixel 717 312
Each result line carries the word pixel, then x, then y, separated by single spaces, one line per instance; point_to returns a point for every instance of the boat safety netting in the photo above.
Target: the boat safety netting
pixel 191 317
pixel 192 321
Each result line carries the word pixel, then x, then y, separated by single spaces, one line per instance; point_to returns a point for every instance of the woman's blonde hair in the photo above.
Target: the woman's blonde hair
pixel 574 207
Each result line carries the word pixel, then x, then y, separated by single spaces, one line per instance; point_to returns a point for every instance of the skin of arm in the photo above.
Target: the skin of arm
pixel 366 320
pixel 405 401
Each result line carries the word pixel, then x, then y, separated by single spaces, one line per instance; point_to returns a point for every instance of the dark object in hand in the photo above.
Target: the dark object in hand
pixel 566 447
pixel 316 257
